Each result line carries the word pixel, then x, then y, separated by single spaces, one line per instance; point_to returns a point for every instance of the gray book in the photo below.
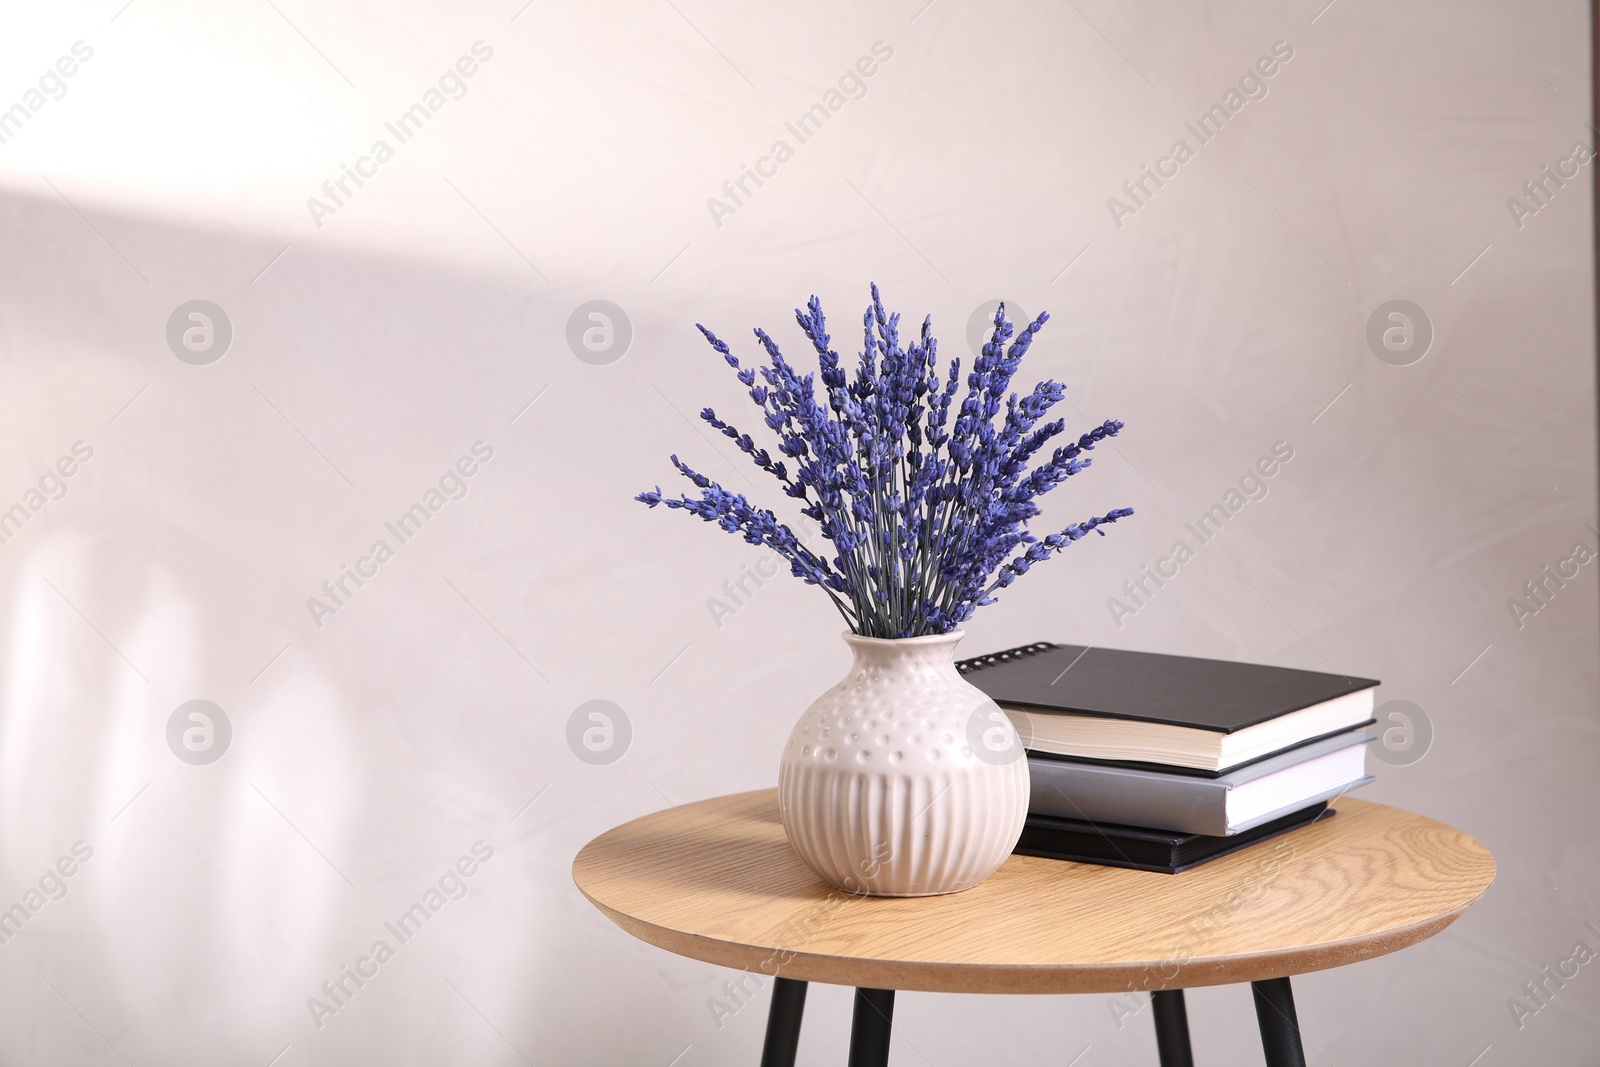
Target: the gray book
pixel 1245 798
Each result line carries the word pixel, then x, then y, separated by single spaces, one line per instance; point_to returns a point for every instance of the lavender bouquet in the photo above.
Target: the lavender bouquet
pixel 927 520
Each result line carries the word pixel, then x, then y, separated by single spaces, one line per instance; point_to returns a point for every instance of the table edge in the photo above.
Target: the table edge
pixel 1035 979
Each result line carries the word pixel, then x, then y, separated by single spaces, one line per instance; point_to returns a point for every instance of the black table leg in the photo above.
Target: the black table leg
pixel 869 1028
pixel 1172 1028
pixel 783 1023
pixel 1280 1027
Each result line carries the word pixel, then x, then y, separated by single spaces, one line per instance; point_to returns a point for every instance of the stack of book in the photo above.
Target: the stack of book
pixel 1161 762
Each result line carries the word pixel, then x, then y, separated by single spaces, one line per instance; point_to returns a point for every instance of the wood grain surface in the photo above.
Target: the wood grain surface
pixel 717 881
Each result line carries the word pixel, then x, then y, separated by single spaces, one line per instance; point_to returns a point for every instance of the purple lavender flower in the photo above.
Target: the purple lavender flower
pixel 927 517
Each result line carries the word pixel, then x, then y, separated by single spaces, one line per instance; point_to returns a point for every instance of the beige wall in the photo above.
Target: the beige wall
pixel 374 344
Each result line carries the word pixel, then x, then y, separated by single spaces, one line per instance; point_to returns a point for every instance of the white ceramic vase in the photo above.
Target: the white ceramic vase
pixel 903 780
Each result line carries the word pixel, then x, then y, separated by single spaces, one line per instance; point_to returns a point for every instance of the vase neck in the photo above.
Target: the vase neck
pixel 935 653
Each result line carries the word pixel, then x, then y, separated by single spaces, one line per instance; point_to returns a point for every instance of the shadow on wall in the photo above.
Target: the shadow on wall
pixel 215 492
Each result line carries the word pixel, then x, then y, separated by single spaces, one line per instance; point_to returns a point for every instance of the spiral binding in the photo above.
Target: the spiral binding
pixel 993 659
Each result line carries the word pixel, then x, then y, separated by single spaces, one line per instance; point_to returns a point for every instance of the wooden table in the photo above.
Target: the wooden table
pixel 717 881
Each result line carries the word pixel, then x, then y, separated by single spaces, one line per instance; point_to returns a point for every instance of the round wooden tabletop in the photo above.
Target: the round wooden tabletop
pixel 717 881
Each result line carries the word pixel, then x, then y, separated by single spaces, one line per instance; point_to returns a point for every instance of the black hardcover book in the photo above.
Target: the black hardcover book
pixel 1204 715
pixel 1162 851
